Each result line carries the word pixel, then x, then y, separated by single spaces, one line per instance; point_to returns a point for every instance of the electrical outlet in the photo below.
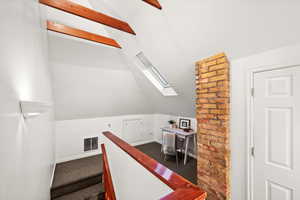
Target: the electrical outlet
pixel 109 125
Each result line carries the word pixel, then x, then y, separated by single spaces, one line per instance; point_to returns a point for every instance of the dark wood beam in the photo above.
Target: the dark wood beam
pixel 76 9
pixel 154 3
pixel 60 28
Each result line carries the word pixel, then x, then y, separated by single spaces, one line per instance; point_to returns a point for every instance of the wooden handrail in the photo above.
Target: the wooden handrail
pixel 108 184
pixel 183 189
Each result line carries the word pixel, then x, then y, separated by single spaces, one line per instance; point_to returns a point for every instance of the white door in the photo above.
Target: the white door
pixel 132 130
pixel 276 128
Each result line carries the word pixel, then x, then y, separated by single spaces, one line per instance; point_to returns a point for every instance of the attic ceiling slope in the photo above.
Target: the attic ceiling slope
pixel 181 78
pixel 91 80
pixel 182 33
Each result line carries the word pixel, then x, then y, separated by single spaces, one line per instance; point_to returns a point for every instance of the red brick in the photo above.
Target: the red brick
pixel 208 85
pixel 218 78
pixel 212 104
pixel 209 106
pixel 222 60
pixel 207 95
pixel 217 67
pixel 207 75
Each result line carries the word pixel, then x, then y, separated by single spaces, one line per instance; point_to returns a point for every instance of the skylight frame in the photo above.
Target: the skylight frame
pixel 154 76
pixel 153 70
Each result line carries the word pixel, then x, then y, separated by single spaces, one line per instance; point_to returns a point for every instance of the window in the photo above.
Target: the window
pixel 154 76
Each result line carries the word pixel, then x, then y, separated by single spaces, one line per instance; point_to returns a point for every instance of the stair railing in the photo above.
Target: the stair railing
pixel 109 193
pixel 181 189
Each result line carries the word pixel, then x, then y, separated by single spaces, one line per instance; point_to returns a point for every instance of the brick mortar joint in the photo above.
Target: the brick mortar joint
pixel 217 76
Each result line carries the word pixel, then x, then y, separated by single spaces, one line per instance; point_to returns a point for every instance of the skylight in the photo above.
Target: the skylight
pixel 154 76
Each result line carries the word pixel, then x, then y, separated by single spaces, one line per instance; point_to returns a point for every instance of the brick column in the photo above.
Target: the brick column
pixel 212 105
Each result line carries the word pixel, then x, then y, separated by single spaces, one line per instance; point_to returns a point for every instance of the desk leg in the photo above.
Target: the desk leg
pixel 186 149
pixel 195 145
pixel 162 141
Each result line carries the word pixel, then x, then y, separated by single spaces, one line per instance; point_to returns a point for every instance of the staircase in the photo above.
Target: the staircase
pixel 78 180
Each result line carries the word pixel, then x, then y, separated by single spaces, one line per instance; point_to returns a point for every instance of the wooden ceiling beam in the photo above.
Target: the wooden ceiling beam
pixel 76 9
pixel 60 28
pixel 154 3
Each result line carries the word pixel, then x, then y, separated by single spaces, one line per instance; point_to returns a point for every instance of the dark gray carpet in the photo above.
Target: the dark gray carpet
pixel 188 171
pixel 76 170
pixel 76 175
pixel 94 192
pixel 80 179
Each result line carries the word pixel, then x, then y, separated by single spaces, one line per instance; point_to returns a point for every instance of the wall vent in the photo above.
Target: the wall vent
pixel 90 144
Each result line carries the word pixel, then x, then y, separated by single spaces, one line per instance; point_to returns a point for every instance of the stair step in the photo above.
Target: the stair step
pixel 95 192
pixel 73 187
pixel 75 175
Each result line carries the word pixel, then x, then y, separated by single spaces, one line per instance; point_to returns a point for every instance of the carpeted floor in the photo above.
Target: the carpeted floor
pixel 75 170
pixel 188 171
pixel 89 193
pixel 80 179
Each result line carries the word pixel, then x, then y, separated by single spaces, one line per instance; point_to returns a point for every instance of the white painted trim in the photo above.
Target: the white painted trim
pixel 249 159
pixel 249 121
pixel 134 118
pixel 52 175
pixel 78 156
pixel 158 141
pixel 142 142
pixel 93 153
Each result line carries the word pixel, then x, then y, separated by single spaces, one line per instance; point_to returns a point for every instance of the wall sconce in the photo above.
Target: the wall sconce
pixel 31 109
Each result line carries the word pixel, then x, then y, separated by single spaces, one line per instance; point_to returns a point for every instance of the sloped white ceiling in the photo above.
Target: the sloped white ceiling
pixel 91 81
pixel 183 32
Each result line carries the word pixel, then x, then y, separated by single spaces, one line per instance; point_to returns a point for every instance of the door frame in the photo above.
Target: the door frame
pixel 249 121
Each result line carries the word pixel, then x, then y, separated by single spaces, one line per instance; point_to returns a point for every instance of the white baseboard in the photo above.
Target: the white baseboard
pixel 142 142
pixel 52 175
pixel 93 153
pixel 78 156
pixel 158 141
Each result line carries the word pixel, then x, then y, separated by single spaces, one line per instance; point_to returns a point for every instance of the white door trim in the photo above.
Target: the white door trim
pixel 249 122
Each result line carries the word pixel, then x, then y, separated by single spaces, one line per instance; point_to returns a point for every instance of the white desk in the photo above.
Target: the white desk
pixel 182 134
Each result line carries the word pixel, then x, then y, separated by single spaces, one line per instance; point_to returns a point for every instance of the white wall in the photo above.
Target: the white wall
pixel 161 120
pixel 127 174
pixel 26 146
pixel 92 81
pixel 284 56
pixel 70 133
